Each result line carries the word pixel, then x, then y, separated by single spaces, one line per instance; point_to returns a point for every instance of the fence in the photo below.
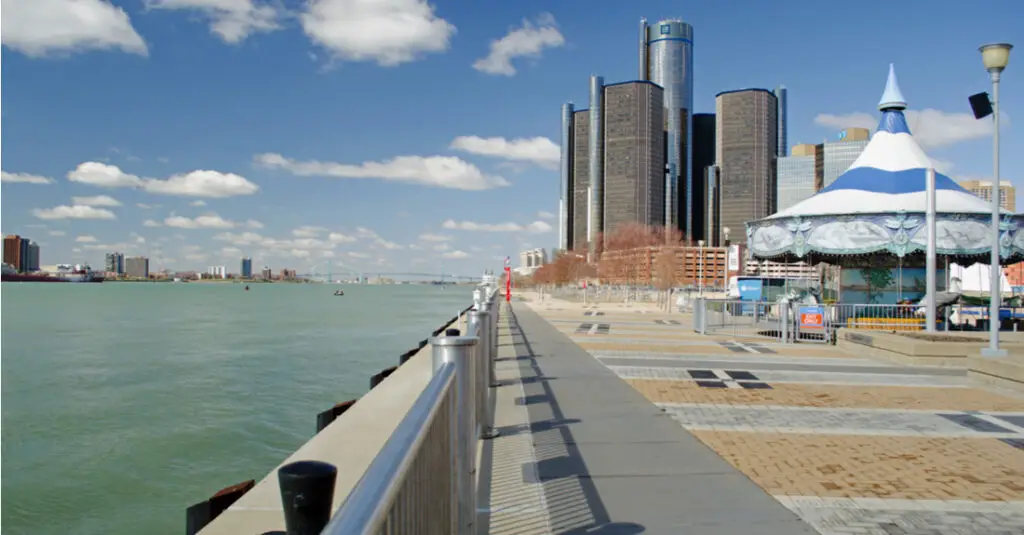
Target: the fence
pixel 424 478
pixel 801 322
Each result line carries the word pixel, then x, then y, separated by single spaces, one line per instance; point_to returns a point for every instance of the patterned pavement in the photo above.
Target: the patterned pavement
pixel 851 444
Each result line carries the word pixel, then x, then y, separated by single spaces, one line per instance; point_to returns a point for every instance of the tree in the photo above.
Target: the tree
pixel 665 270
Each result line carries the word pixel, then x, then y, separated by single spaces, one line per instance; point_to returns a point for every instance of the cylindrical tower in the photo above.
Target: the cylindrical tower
pixel 565 189
pixel 670 65
pixel 643 49
pixel 595 153
pixel 783 143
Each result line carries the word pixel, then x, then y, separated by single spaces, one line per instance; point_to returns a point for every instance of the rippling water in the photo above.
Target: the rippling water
pixel 125 403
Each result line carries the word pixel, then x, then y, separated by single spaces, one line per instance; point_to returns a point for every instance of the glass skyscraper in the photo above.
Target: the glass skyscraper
pixel 795 180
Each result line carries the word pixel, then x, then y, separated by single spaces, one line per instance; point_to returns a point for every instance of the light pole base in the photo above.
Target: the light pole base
pixel 990 353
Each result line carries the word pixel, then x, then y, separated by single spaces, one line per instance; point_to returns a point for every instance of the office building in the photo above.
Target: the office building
pixel 580 213
pixel 746 135
pixel 136 267
pixel 666 58
pixel 983 189
pixel 839 155
pixel 595 153
pixel 15 251
pixel 217 272
pixel 712 207
pixel 703 156
pixel 782 97
pixel 246 268
pixel 266 273
pixel 114 263
pixel 796 178
pixel 633 151
pixel 31 261
pixel 565 190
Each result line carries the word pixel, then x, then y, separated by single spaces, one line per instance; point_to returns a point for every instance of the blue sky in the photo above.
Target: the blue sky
pixel 397 135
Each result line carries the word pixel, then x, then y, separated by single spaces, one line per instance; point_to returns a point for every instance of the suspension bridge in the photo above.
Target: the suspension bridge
pixel 343 272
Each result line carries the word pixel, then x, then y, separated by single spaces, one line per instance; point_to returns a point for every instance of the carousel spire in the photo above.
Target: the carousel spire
pixel 892 98
pixel 892 106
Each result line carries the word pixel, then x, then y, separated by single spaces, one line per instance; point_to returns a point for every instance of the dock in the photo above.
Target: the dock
pixel 618 419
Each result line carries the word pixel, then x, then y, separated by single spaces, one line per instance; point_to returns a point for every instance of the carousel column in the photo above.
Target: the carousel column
pixel 930 259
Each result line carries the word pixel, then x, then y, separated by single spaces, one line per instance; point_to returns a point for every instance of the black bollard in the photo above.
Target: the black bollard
pixel 307 490
pixel 452 332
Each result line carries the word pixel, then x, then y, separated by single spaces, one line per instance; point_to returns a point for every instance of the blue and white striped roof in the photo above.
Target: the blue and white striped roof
pixel 889 176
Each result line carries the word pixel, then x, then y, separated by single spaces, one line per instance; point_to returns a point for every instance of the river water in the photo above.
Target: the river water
pixel 124 403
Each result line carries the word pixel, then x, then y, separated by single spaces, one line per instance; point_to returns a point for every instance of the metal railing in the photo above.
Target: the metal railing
pixel 423 481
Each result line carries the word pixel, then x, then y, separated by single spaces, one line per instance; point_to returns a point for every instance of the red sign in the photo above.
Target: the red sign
pixel 508 285
pixel 812 317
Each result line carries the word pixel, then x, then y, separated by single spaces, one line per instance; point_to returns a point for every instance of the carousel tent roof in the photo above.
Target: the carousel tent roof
pixel 889 176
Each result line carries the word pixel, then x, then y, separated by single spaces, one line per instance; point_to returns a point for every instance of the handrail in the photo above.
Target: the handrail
pixel 366 508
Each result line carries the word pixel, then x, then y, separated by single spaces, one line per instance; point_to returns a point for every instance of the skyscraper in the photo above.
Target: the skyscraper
pixel 666 51
pixel 595 153
pixel 781 95
pixel 580 199
pixel 12 251
pixel 746 131
pixel 114 263
pixel 565 200
pixel 839 155
pixel 703 156
pixel 31 261
pixel 796 176
pixel 633 155
pixel 246 271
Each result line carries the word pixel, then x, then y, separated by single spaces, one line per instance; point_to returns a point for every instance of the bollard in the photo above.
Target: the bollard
pixel 492 380
pixel 485 360
pixel 307 491
pixel 460 351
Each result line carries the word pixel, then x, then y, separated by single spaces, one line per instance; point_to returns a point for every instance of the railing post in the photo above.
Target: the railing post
pixel 460 350
pixel 307 491
pixel 784 321
pixel 480 325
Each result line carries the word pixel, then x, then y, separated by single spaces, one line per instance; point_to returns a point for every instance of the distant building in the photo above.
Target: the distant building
pixel 136 267
pixel 983 189
pixel 746 131
pixel 713 206
pixel 287 274
pixel 580 187
pixel 266 273
pixel 703 156
pixel 31 262
pixel 796 177
pixel 21 253
pixel 246 270
pixel 12 251
pixel 838 156
pixel 782 97
pixel 114 263
pixel 217 272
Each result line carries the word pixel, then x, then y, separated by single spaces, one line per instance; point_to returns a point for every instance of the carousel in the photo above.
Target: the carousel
pixel 870 222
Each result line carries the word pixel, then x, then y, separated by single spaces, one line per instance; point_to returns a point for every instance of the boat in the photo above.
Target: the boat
pixel 10 274
pixel 77 273
pixel 339 292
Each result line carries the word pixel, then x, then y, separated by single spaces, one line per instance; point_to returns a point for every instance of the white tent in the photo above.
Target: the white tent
pixel 977 279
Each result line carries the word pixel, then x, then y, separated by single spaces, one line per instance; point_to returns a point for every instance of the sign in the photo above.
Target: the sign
pixel 734 258
pixel 812 317
pixel 665 29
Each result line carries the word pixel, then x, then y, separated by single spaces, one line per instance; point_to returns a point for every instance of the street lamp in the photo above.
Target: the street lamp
pixel 700 268
pixel 995 57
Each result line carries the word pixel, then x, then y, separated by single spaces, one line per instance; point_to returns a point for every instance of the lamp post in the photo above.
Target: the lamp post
pixel 700 268
pixel 995 57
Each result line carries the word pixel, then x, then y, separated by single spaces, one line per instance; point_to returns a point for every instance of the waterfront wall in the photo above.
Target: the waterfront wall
pixel 349 436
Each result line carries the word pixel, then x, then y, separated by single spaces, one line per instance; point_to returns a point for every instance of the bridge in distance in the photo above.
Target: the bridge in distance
pixel 344 274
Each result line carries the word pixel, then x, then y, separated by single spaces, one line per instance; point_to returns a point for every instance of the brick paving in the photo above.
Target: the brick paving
pixel 852 445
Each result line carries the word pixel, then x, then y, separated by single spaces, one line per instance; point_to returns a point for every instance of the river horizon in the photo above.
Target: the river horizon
pixel 124 404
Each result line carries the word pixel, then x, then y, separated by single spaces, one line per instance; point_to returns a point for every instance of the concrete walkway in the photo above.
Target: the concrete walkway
pixel 581 451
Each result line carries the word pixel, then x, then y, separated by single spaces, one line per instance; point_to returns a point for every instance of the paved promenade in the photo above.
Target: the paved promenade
pixel 631 420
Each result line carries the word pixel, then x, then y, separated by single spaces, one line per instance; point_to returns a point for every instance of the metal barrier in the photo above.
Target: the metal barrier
pixel 423 480
pixel 738 318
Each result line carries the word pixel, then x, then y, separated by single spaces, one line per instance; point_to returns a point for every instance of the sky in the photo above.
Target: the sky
pixel 407 136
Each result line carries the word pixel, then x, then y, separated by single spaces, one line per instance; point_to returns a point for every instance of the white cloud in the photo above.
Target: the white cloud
pixel 86 239
pixel 389 32
pixel 538 150
pixel 307 231
pixel 537 227
pixel 545 215
pixel 337 237
pixel 150 223
pixel 73 212
pixel 378 241
pixel 529 40
pixel 437 171
pixel 435 237
pixel 455 255
pixel 199 183
pixel 231 20
pixel 252 223
pixel 932 128
pixel 144 206
pixel 442 247
pixel 197 203
pixel 40 28
pixel 357 254
pixel 24 178
pixel 57 233
pixel 231 251
pixel 203 221
pixel 98 200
